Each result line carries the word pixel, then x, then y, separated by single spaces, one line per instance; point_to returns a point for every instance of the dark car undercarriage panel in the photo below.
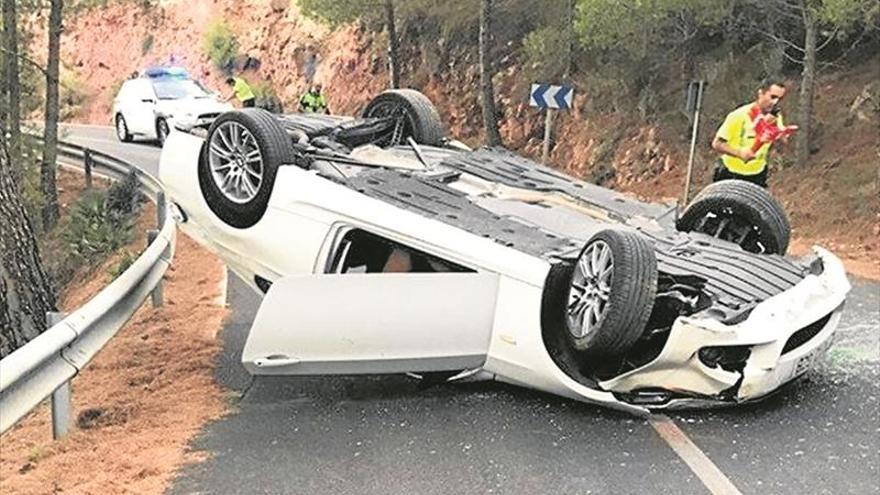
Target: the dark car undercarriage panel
pixel 433 198
pixel 698 273
pixel 732 278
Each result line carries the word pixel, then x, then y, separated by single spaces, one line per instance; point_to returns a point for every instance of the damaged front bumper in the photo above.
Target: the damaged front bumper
pixel 780 340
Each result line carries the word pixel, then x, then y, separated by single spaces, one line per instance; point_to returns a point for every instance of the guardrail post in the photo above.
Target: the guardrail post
pixel 61 403
pixel 157 296
pixel 161 209
pixel 87 165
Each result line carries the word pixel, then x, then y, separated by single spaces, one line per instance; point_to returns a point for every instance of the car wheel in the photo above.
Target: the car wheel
pixel 162 131
pixel 610 294
pixel 122 129
pixel 740 212
pixel 239 162
pixel 415 116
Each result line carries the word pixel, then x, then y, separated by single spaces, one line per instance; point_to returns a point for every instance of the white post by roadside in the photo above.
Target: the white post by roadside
pixel 548 128
pixel 698 85
pixel 61 401
pixel 157 296
pixel 549 98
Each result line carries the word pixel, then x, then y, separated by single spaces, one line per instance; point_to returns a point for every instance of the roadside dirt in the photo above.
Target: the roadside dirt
pixel 141 400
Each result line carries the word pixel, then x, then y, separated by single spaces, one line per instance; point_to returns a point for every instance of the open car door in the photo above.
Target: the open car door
pixel 373 323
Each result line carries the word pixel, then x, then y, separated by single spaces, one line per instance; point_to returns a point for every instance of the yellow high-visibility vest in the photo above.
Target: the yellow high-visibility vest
pixel 738 130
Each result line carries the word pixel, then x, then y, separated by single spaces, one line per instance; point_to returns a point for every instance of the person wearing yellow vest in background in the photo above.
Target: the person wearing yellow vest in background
pixel 313 101
pixel 743 153
pixel 241 91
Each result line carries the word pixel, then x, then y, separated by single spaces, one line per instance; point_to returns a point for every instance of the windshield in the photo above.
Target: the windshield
pixel 175 89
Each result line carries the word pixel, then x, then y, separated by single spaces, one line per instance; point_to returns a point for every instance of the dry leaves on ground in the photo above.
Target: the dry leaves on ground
pixel 140 401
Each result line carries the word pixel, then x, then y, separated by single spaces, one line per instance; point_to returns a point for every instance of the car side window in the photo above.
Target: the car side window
pixel 362 252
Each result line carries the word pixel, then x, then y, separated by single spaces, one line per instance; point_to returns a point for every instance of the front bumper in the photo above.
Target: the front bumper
pixel 678 378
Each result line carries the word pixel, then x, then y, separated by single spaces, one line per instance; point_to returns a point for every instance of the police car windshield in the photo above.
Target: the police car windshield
pixel 175 89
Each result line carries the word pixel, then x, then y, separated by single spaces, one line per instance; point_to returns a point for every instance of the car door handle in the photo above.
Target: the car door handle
pixel 275 361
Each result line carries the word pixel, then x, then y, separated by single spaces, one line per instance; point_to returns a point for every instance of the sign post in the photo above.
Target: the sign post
pixel 550 98
pixel 692 108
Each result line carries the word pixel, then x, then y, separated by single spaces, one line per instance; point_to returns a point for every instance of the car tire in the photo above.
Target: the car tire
pixel 423 121
pixel 740 212
pixel 162 131
pixel 224 165
pixel 122 129
pixel 610 295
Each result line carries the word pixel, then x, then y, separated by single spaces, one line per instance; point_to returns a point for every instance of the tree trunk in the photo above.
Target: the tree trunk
pixel 12 90
pixel 50 132
pixel 802 151
pixel 393 56
pixel 25 290
pixel 487 92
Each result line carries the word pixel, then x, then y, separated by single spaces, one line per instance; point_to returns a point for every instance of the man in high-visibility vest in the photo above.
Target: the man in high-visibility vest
pixel 743 138
pixel 241 91
pixel 313 101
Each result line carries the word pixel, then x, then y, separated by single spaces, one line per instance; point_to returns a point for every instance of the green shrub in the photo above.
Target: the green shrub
pixel 221 46
pixel 101 222
pixel 147 44
pixel 128 258
pixel 92 230
pixel 544 51
pixel 124 197
pixel 72 95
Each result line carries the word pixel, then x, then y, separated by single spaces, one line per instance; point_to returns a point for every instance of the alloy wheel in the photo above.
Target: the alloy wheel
pixel 236 162
pixel 590 289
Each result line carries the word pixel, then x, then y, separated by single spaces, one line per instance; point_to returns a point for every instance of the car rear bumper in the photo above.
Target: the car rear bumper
pixel 784 335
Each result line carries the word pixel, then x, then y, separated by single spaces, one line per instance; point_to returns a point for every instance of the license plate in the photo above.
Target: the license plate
pixel 805 363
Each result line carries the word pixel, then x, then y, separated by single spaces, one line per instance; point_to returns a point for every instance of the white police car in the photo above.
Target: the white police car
pixel 148 106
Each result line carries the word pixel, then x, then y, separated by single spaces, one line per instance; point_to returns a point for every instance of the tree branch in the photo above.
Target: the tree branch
pixel 833 63
pixel 787 10
pixel 781 40
pixel 791 59
pixel 25 58
pixel 829 40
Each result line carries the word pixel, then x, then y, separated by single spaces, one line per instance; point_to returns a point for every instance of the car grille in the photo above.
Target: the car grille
pixel 209 115
pixel 804 335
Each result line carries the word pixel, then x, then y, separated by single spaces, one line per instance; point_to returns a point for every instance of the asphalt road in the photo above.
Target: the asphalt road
pixel 386 435
pixel 144 154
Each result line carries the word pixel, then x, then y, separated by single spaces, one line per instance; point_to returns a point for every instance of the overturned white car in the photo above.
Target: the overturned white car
pixel 382 247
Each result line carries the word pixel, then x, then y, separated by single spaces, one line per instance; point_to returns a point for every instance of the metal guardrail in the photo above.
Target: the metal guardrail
pixel 45 365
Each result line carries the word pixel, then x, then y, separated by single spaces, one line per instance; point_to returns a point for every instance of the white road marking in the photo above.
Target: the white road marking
pixel 700 464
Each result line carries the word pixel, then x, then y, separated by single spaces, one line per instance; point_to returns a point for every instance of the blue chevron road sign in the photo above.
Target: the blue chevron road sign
pixel 549 96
